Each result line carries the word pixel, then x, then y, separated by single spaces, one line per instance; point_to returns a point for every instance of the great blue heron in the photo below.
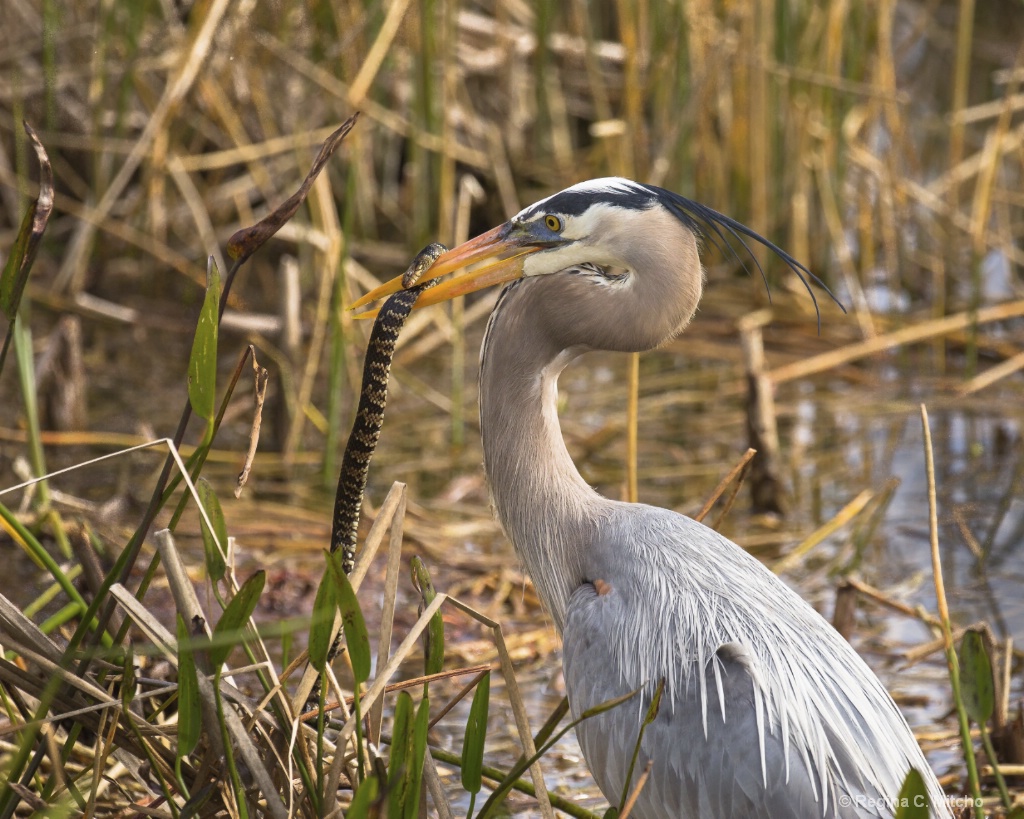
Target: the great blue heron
pixel 767 711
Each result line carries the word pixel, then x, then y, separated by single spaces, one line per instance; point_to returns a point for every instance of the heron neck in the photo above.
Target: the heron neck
pixel 545 507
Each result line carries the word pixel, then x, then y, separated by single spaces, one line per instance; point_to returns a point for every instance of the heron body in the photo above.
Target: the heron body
pixel 767 711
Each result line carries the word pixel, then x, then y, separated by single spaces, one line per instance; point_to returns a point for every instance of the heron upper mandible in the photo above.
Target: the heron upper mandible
pixel 767 711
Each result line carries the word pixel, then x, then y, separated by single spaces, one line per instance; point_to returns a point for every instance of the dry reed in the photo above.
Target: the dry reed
pixel 880 143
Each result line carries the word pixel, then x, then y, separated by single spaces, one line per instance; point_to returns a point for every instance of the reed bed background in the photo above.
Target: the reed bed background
pixel 881 143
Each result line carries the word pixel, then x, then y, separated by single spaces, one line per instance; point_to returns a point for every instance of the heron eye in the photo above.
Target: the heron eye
pixel 553 223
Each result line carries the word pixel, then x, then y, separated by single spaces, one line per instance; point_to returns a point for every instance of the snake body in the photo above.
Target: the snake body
pixel 373 396
pixel 362 440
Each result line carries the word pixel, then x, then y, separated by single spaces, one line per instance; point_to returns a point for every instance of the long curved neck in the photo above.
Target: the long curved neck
pixel 542 502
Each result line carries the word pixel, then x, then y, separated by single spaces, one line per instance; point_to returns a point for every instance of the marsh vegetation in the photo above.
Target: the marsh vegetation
pixel 880 143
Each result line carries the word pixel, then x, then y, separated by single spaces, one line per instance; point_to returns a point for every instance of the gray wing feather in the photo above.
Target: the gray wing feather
pixel 714 773
pixel 757 719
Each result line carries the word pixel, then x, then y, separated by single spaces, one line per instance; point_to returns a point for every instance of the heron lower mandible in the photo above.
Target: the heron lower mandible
pixel 767 711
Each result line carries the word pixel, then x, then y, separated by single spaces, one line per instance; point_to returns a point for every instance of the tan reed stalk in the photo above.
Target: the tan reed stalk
pixel 943 607
pixel 960 79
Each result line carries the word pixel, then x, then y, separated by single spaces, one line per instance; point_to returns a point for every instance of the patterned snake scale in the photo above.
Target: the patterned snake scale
pixel 362 441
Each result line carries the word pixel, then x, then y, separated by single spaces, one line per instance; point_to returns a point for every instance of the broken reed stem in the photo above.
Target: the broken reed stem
pixel 387 615
pixel 482 671
pixel 522 720
pixel 840 519
pixel 724 483
pixel 947 630
pixel 933 328
pixel 261 378
pixel 993 374
pixel 878 596
pixel 627 808
pixel 731 499
pixel 415 682
pixel 933 529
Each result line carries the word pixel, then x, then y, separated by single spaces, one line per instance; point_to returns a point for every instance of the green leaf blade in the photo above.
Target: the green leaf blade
pixel 357 638
pixel 189 717
pixel 433 638
pixel 325 604
pixel 400 752
pixel 235 616
pixel 976 683
pixel 405 769
pixel 913 799
pixel 16 270
pixel 607 705
pixel 419 748
pixel 476 733
pixel 213 546
pixel 202 362
pixel 364 799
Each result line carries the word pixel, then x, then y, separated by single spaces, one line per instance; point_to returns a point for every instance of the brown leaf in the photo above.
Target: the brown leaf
pixel 248 240
pixel 15 274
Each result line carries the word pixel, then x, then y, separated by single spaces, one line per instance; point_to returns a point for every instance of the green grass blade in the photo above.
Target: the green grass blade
pixel 400 751
pixel 607 705
pixel 356 636
pixel 408 745
pixel 324 605
pixel 476 733
pixel 433 637
pixel 235 616
pixel 202 363
pixel 419 748
pixel 189 721
pixel 213 546
pixel 23 351
pixel 21 535
pixel 22 255
pixel 13 278
pixel 364 800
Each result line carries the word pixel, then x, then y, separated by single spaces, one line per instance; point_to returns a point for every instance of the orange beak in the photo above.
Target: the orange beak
pixel 492 247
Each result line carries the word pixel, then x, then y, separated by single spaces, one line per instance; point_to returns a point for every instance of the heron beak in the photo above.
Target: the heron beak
pixel 492 247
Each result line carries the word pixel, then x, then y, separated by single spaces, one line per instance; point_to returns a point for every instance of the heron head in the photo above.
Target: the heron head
pixel 601 222
pixel 610 222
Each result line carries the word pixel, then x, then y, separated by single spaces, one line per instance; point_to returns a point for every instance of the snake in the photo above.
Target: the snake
pixel 373 396
pixel 369 420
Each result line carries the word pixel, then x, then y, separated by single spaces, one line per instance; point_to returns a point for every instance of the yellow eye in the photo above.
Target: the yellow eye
pixel 553 223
